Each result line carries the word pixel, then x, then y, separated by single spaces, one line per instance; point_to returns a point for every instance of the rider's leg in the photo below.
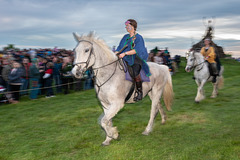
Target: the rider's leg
pixel 138 81
pixel 138 93
pixel 215 72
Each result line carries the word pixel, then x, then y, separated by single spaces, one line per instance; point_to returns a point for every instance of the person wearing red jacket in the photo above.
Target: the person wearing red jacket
pixel 48 76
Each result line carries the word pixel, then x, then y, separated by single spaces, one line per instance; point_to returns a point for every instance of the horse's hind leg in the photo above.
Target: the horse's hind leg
pixel 156 106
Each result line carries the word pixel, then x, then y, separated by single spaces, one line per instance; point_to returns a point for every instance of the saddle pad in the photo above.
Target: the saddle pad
pixel 142 74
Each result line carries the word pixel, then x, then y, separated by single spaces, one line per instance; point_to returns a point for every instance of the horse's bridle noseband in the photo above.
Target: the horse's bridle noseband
pixel 194 66
pixel 88 60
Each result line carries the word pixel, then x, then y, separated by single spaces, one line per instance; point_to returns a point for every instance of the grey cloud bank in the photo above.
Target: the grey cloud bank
pixel 174 24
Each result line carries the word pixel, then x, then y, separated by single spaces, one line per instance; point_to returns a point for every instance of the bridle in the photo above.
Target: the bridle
pixel 88 59
pixel 87 65
pixel 194 66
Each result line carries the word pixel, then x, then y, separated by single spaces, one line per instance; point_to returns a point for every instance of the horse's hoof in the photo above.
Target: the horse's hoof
pixel 213 96
pixel 197 102
pixel 145 133
pixel 115 136
pixel 105 144
pixel 163 122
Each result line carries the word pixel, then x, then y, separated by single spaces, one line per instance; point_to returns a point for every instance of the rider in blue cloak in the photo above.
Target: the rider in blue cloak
pixel 135 55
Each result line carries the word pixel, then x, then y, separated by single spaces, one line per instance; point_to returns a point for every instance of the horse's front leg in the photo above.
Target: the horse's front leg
pixel 215 90
pixel 200 93
pixel 106 123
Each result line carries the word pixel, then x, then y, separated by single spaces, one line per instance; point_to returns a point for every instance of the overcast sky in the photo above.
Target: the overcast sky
pixel 175 24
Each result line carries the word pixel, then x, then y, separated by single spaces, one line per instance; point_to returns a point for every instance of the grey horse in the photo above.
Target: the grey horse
pixel 111 86
pixel 196 61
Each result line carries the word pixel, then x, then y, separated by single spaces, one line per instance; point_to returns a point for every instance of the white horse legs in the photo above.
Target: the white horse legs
pixel 106 123
pixel 215 90
pixel 156 106
pixel 200 93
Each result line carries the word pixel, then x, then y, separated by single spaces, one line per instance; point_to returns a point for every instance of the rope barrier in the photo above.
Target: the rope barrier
pixel 10 92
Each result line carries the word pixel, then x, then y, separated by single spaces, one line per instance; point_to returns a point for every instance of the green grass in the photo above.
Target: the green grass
pixel 66 127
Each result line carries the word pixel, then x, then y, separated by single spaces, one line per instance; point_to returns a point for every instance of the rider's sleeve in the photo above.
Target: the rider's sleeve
pixel 140 48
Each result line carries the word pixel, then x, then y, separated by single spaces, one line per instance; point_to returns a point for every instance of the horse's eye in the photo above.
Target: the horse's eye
pixel 86 50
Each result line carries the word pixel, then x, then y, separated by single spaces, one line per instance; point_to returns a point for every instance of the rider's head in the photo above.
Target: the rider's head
pixel 207 41
pixel 131 22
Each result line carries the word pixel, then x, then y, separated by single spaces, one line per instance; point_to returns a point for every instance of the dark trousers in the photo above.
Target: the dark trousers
pixel 136 68
pixel 66 85
pixel 48 84
pixel 15 89
pixel 214 68
pixel 58 81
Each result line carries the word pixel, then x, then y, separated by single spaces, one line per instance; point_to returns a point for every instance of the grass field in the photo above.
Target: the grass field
pixel 66 127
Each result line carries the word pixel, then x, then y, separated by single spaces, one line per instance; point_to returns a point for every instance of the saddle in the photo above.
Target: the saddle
pixel 129 76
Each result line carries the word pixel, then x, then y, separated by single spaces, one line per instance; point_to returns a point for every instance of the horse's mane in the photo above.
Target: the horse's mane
pixel 100 42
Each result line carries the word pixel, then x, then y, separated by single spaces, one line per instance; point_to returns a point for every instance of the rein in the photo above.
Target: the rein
pixel 194 66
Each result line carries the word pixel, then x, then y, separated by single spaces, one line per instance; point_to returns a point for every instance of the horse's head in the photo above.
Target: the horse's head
pixel 190 61
pixel 83 56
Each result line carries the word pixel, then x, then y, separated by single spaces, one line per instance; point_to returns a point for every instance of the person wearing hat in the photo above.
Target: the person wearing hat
pixel 209 55
pixel 135 55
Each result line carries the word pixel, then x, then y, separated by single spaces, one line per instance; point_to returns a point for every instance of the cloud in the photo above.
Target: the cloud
pixel 173 23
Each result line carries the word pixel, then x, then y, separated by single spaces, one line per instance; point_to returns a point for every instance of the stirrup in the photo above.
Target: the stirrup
pixel 137 96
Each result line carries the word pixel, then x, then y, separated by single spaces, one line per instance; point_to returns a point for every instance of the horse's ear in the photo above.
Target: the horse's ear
pixel 76 36
pixel 91 34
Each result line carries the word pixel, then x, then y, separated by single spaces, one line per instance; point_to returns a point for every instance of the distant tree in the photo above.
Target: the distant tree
pixel 10 46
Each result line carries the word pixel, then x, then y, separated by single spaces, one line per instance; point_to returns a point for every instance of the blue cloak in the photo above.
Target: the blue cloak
pixel 141 51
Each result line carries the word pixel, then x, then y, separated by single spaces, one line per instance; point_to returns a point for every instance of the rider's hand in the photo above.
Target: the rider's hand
pixel 122 55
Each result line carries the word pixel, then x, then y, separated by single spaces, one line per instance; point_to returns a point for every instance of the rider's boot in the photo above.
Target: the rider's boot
pixel 214 79
pixel 138 94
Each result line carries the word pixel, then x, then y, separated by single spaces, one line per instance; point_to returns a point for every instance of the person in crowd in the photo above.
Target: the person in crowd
pixel 209 55
pixel 15 81
pixel 177 59
pixel 157 58
pixel 34 75
pixel 57 73
pixel 25 78
pixel 66 74
pixel 7 67
pixel 88 84
pixel 135 55
pixel 48 76
pixel 42 69
pixel 150 57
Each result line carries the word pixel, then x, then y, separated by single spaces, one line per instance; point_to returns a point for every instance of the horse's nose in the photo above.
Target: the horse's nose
pixel 187 69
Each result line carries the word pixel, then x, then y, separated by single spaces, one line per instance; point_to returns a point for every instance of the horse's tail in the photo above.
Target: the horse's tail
pixel 221 79
pixel 168 92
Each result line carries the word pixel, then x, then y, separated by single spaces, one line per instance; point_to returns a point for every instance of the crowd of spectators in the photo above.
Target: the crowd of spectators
pixel 163 57
pixel 34 72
